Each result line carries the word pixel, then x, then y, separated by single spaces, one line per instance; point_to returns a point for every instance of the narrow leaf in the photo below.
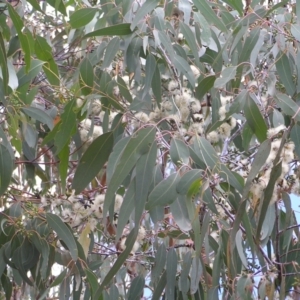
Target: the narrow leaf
pixel 255 119
pixel 64 233
pixel 82 17
pixel 92 161
pixel 119 29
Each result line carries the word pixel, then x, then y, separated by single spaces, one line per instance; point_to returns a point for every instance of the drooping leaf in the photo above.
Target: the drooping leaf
pixel 63 165
pixel 180 215
pixel 190 38
pixel 145 9
pixel 171 273
pixel 136 288
pixel 66 128
pixel 86 77
pixel 138 145
pixel 285 73
pixel 6 168
pixel 255 119
pixel 209 14
pixel 179 152
pixel 92 161
pixel 226 75
pixel 39 115
pixel 144 173
pixel 204 86
pixel 126 209
pixel 111 50
pixel 18 23
pixel 150 70
pixel 119 29
pixel 82 17
pixel 164 193
pixel 3 63
pixel 64 233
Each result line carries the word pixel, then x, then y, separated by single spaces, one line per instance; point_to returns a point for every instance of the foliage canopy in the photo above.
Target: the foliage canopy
pixel 149 149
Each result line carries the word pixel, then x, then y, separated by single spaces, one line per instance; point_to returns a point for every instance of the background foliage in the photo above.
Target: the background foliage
pixel 149 148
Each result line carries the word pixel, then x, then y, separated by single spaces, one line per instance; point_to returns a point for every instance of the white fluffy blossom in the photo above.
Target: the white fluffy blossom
pixel 274 131
pixel 213 137
pixel 222 112
pixel 224 130
pixel 140 118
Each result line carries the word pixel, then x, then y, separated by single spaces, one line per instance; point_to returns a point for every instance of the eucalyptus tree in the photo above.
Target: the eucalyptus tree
pixel 149 149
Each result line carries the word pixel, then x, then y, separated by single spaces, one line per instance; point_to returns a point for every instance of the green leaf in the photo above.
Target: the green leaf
pixel 63 166
pixel 240 248
pixel 179 152
pixel 66 128
pixel 64 233
pixel 92 280
pixel 209 156
pixel 187 180
pixel 43 247
pixel 18 23
pixel 3 64
pixel 51 70
pixel 150 70
pixel 295 31
pixel 144 174
pixel 288 106
pixel 285 73
pixel 259 160
pixel 204 86
pixel 86 77
pixel 160 287
pixel 255 119
pixel 209 14
pixel 6 168
pixel 7 286
pixel 159 262
pixel 180 215
pixel 147 7
pixel 295 137
pixel 119 262
pixel 237 5
pixel 268 193
pixel 35 5
pixel 126 209
pixel 123 89
pixel 23 77
pixel 184 68
pixel 92 161
pixel 171 273
pixel 111 50
pixel 156 86
pixel 190 38
pixel 184 276
pixel 82 17
pixel 227 74
pixel 39 115
pixel 43 50
pixel 119 29
pixel 136 288
pixel 138 145
pixel 164 193
pixel 58 5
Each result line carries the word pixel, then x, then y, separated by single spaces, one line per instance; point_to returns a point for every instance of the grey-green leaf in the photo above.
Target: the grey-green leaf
pixel 6 168
pixel 164 193
pixel 82 17
pixel 92 161
pixel 64 233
